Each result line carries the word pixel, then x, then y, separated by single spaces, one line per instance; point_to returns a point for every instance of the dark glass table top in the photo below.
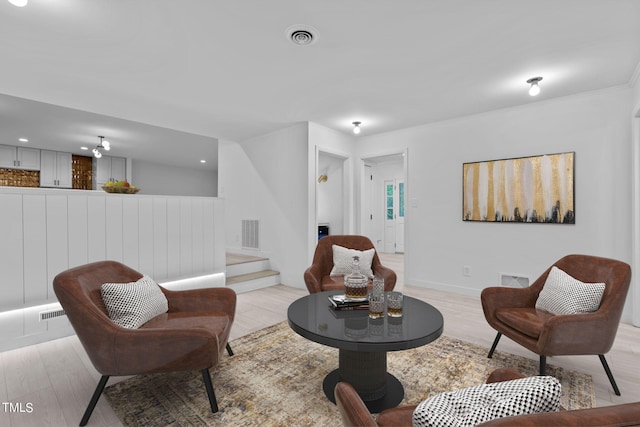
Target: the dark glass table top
pixel 313 318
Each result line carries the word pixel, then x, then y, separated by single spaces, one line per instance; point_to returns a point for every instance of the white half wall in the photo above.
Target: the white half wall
pixel 596 126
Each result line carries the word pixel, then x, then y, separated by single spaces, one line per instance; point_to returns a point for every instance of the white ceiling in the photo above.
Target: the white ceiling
pixel 224 69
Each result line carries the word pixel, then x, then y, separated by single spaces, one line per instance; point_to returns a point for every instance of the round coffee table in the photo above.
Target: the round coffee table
pixel 363 343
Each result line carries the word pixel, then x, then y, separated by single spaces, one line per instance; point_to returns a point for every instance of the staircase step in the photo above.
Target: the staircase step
pixel 248 267
pixel 252 281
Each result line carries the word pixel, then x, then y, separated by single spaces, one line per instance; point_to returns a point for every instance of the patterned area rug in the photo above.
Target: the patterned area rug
pixel 275 379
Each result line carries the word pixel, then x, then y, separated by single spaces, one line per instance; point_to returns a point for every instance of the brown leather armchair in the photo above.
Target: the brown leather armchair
pixel 190 336
pixel 354 413
pixel 511 311
pixel 318 278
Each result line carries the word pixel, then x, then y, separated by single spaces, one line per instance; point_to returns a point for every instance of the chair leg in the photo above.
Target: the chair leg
pixel 543 365
pixel 94 400
pixel 209 386
pixel 495 344
pixel 605 365
pixel 229 351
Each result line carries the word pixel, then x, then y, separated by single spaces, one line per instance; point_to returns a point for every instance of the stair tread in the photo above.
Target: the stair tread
pixel 251 276
pixel 234 259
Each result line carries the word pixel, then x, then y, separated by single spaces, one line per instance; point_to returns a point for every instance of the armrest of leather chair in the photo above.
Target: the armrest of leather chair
pixel 616 415
pixel 402 416
pixel 352 409
pixel 387 274
pixel 313 279
pixel 503 374
pixel 205 299
pixel 501 297
pixel 584 333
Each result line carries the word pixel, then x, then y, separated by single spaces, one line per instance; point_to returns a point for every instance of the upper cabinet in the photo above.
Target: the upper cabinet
pixel 110 169
pixel 19 158
pixel 56 170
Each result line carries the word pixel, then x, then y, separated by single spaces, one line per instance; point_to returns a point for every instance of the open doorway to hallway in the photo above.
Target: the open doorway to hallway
pixel 383 210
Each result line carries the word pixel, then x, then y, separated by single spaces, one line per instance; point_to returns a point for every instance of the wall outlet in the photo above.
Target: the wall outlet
pixel 466 271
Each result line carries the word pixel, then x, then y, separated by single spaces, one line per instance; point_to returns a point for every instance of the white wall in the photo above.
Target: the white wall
pixel 265 178
pixel 596 126
pixel 160 179
pixel 635 164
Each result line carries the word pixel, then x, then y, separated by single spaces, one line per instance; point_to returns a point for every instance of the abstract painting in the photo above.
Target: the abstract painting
pixel 536 189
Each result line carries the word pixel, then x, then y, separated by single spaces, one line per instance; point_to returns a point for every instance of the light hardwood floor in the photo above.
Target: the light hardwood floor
pixel 58 379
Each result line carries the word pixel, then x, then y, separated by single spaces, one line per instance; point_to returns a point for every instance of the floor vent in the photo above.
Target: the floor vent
pixel 250 234
pixel 51 314
pixel 513 281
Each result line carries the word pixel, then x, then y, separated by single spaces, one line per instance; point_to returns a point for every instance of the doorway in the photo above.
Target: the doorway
pixel 383 202
pixel 330 194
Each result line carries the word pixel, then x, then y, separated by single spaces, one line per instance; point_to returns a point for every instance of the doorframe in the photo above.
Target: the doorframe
pixel 404 151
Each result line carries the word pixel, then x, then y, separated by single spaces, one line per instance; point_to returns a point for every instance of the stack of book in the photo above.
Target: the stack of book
pixel 340 302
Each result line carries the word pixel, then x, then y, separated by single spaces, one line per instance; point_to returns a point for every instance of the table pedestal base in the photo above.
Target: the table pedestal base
pixel 367 373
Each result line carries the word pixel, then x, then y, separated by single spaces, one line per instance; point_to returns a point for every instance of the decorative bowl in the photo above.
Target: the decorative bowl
pixel 121 190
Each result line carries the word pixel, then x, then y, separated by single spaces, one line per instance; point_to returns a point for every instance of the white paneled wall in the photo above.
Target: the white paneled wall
pixel 46 231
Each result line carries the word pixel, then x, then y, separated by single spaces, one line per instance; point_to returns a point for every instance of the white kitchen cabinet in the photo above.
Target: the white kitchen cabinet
pixel 56 169
pixel 19 158
pixel 110 169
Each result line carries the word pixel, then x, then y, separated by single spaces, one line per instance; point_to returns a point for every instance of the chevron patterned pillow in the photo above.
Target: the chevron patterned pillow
pixel 475 405
pixel 132 304
pixel 563 294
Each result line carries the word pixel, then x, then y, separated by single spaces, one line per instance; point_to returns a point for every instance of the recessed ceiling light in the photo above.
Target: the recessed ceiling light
pixel 302 35
pixel 84 148
pixel 203 161
pixel 23 140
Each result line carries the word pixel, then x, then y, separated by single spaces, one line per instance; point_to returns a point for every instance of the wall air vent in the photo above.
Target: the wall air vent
pixel 250 234
pixel 51 314
pixel 513 280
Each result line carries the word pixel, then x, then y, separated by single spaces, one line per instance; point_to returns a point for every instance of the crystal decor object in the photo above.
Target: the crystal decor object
pixel 355 283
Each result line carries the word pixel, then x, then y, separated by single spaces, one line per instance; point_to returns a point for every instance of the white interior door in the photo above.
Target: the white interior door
pixel 394 215
pixel 367 205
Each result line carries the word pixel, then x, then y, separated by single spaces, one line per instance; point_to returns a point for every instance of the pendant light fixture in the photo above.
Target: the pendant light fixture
pixel 534 89
pixel 356 127
pixel 103 145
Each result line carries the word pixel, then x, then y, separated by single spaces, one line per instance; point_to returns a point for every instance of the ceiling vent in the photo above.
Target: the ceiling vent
pixel 302 35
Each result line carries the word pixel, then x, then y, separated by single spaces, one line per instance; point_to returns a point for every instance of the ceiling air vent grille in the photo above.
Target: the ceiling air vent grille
pixel 302 35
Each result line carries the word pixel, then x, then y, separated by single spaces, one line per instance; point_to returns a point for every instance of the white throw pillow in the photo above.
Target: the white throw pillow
pixel 475 405
pixel 132 304
pixel 343 258
pixel 563 294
